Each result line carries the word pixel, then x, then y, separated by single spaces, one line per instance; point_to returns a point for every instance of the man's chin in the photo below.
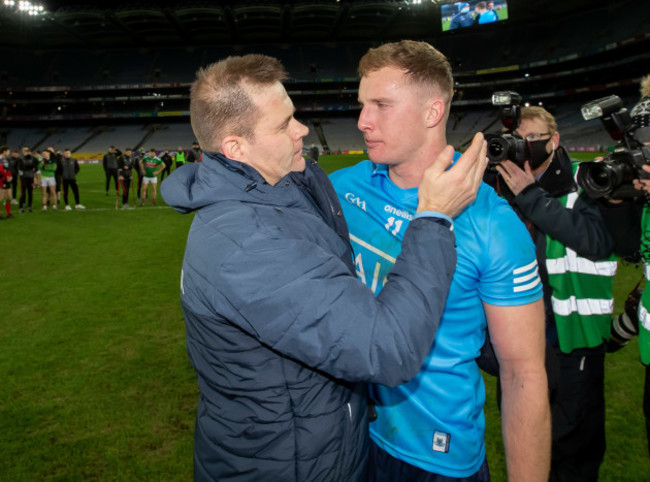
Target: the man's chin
pixel 298 165
pixel 377 159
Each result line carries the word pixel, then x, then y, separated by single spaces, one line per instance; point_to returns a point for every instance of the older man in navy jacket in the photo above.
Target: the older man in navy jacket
pixel 282 335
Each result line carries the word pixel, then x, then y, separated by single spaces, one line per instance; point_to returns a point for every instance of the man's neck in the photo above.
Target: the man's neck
pixel 408 174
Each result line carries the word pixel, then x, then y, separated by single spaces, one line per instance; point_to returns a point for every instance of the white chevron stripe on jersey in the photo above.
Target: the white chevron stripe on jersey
pixel 525 277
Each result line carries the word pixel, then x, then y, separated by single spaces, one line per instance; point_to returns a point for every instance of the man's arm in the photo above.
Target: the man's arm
pixel 517 334
pixel 161 168
pixel 581 228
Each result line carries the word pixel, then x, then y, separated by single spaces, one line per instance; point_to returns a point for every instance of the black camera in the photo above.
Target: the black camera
pixel 508 144
pixel 613 175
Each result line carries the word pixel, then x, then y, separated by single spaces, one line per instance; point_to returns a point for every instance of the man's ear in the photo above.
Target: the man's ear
pixel 233 147
pixel 556 139
pixel 435 112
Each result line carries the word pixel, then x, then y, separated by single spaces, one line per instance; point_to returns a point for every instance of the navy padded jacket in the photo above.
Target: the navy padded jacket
pixel 282 335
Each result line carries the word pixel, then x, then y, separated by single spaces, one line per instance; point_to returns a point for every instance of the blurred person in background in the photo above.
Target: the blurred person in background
pixel 69 170
pixel 167 159
pixel 37 176
pixel 138 156
pixel 14 160
pixel 483 14
pixel 110 164
pixel 179 157
pixel 127 165
pixel 5 179
pixel 48 167
pixel 57 156
pixel 195 153
pixel 577 268
pixel 463 18
pixel 314 152
pixel 28 167
pixel 150 166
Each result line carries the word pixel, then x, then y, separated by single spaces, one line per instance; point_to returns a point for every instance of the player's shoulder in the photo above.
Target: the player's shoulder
pixel 489 204
pixel 355 173
pixel 490 213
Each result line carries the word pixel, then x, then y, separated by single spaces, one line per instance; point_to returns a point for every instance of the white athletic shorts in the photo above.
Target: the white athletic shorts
pixel 149 180
pixel 48 181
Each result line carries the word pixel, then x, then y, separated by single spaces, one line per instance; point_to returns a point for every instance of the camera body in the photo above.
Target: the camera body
pixel 507 145
pixel 612 177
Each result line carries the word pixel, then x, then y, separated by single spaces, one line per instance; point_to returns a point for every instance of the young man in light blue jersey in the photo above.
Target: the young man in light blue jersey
pixel 432 428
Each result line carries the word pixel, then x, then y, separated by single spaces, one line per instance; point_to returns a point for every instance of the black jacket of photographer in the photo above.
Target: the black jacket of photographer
pixel 581 228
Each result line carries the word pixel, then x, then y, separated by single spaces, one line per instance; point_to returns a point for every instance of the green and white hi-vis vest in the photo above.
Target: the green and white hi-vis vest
pixel 644 306
pixel 582 296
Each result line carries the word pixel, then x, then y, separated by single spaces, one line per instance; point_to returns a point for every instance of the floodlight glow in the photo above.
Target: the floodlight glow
pixel 25 7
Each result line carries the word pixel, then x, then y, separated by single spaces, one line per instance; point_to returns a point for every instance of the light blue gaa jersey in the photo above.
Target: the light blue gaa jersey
pixel 436 420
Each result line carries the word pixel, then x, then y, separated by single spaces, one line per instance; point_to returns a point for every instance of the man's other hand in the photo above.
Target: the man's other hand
pixel 642 184
pixel 516 178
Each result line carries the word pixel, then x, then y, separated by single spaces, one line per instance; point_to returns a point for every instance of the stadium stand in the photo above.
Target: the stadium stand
pixel 114 67
pixel 170 136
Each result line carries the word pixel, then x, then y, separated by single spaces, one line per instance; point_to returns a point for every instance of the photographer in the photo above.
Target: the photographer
pixel 629 223
pixel 641 117
pixel 644 307
pixel 573 248
pixel 633 224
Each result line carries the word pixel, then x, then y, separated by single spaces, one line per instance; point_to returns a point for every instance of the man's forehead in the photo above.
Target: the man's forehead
pixel 274 99
pixel 263 91
pixel 392 81
pixel 386 79
pixel 386 72
pixel 532 124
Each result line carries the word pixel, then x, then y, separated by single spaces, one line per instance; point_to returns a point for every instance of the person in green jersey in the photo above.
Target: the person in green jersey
pixel 48 167
pixel 179 157
pixel 150 166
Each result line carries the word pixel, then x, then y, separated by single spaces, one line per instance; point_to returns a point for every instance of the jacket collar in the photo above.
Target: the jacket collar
pixel 247 182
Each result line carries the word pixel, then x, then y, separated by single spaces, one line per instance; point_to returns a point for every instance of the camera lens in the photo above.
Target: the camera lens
pixel 497 148
pixel 602 178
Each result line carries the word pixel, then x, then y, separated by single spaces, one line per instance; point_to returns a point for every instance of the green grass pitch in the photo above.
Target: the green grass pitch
pixel 96 384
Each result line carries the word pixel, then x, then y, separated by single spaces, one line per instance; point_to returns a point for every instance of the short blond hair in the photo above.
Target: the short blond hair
pixel 423 64
pixel 645 86
pixel 535 112
pixel 220 98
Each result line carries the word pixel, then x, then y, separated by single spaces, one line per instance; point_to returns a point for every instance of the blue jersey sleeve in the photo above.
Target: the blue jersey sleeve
pixel 509 271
